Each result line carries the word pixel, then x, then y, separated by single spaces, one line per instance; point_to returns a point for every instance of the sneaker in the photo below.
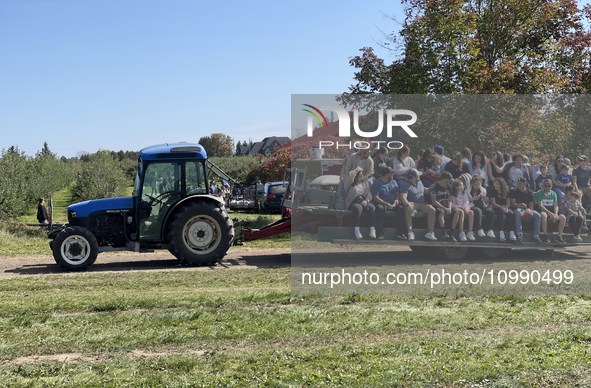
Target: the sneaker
pixel 537 240
pixel 402 236
pixel 470 235
pixel 372 233
pixel 381 237
pixel 545 238
pixel 481 233
pixel 520 240
pixel 358 235
pixel 560 240
pixel 577 238
pixel 463 236
pixel 490 234
pixel 512 236
pixel 431 236
pixel 411 235
pixel 449 236
pixel 502 236
pixel 585 226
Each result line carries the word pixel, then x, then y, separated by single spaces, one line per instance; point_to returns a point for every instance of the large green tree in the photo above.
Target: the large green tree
pixel 218 144
pixel 483 46
pixel 489 47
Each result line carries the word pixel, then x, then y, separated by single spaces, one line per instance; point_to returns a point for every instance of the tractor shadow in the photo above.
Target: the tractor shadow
pixel 161 263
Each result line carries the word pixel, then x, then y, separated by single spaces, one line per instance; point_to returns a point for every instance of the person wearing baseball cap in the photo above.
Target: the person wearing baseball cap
pixel 581 175
pixel 439 149
pixel 412 197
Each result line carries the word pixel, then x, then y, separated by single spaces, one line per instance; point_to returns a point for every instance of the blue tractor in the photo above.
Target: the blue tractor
pixel 171 208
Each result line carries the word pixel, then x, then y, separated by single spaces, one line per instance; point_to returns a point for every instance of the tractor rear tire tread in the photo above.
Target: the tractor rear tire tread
pixel 175 234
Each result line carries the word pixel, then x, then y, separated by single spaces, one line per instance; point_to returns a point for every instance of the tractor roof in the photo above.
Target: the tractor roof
pixel 173 151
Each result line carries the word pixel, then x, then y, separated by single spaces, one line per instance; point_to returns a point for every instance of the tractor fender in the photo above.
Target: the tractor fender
pixel 185 201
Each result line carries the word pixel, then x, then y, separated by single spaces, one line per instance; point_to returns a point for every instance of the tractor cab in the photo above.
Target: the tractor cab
pixel 166 175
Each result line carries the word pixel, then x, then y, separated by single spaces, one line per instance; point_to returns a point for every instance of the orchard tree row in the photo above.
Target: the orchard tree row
pixel 24 179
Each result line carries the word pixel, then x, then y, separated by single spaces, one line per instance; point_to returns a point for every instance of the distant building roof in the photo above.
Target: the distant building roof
pixel 244 150
pixel 267 145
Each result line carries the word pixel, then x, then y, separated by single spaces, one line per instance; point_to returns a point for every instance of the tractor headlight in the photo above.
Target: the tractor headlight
pixel 73 214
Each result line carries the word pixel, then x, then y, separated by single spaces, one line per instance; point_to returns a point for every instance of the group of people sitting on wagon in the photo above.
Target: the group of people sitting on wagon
pixel 494 194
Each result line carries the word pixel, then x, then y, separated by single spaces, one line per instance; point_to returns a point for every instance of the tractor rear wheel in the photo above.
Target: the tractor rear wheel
pixel 75 248
pixel 493 253
pixel 452 253
pixel 200 233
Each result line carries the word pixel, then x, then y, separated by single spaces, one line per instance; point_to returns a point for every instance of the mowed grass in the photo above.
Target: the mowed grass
pixel 223 328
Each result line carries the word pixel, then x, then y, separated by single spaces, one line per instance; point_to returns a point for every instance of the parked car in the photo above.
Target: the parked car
pixel 272 197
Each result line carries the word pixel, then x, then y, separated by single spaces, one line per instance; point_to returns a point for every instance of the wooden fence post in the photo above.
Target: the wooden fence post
pixel 51 214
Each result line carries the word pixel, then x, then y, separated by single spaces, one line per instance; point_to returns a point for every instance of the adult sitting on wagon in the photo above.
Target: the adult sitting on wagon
pixel 581 177
pixel 424 165
pixel 359 200
pixel 386 196
pixel 402 164
pixel 426 161
pixel 380 161
pixel 495 166
pixel 554 171
pixel 547 205
pixel 412 197
pixel 477 166
pixel 360 159
pixel 515 170
pixel 456 167
pixel 498 196
pixel 522 204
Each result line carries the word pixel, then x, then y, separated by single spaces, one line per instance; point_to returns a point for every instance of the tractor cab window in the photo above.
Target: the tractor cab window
pixel 195 175
pixel 161 189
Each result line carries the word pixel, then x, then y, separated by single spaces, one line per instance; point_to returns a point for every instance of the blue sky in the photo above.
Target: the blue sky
pixel 84 75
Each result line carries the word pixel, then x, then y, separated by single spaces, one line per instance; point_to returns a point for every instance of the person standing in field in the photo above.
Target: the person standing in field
pixel 42 215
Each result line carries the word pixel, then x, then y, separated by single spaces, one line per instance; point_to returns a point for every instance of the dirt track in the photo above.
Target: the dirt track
pixel 159 260
pixel 281 258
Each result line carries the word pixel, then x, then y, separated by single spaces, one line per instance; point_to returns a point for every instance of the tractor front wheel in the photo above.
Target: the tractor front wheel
pixel 75 248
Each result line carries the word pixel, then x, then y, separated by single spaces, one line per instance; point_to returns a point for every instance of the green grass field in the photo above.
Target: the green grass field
pixel 243 328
